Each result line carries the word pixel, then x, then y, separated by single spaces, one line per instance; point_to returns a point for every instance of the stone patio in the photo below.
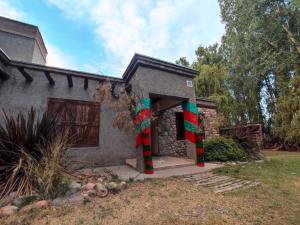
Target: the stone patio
pixel 164 167
pixel 165 162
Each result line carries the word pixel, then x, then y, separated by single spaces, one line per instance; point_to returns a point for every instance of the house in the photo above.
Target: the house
pixel 26 81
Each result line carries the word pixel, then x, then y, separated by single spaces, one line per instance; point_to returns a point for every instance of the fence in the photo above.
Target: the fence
pixel 249 135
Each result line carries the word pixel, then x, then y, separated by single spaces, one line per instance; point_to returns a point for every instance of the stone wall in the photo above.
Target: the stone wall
pixel 168 143
pixel 210 122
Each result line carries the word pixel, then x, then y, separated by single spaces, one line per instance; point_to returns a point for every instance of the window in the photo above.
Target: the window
pixel 81 117
pixel 179 126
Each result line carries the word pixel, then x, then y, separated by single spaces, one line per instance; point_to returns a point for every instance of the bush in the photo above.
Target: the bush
pixel 223 149
pixel 31 150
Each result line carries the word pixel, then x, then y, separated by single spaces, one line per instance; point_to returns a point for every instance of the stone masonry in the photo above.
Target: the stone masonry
pixel 210 122
pixel 168 142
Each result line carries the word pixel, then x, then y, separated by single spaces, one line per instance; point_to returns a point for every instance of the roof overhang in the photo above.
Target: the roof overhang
pixel 206 103
pixel 146 61
pixel 54 70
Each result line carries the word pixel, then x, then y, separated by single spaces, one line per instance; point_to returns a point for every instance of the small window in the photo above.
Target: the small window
pixel 179 126
pixel 82 118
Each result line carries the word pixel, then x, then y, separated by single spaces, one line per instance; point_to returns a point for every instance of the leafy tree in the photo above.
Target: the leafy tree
pixel 254 74
pixel 183 62
pixel 261 47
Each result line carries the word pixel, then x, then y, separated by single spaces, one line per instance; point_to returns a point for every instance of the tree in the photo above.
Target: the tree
pixel 261 49
pixel 182 61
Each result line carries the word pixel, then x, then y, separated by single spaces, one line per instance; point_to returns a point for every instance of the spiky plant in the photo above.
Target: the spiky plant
pixel 27 144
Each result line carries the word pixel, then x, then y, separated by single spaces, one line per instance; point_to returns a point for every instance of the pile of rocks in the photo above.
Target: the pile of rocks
pixel 79 192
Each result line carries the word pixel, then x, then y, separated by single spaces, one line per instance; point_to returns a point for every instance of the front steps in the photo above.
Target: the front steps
pixel 164 162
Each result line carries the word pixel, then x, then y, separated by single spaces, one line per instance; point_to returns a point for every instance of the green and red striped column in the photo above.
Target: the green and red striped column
pixel 190 114
pixel 199 144
pixel 143 131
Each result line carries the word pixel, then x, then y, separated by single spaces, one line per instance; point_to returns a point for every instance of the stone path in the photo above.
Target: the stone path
pixel 218 183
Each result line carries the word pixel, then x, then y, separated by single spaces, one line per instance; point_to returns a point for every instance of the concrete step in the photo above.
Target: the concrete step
pixel 165 162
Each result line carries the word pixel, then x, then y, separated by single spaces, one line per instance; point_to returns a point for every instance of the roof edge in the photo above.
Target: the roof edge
pixel 55 70
pixel 147 61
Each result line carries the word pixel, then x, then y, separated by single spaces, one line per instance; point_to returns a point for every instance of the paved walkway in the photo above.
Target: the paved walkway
pixel 219 184
pixel 125 172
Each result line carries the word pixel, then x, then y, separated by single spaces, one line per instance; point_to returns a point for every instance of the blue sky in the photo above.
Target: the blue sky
pixel 101 36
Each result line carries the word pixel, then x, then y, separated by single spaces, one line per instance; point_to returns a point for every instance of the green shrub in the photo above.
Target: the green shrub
pixel 223 149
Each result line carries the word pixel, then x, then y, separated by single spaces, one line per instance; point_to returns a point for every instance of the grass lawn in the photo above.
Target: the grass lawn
pixel 172 201
pixel 277 201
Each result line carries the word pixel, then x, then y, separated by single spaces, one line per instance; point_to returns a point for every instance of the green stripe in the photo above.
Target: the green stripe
pixel 142 125
pixel 148 167
pixel 189 126
pixel 191 107
pixel 147 147
pixel 200 158
pixel 144 103
pixel 199 144
pixel 148 158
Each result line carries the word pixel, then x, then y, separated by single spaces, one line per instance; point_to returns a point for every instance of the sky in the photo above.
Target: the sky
pixel 101 36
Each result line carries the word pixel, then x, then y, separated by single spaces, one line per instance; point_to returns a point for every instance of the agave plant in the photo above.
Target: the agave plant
pixel 28 145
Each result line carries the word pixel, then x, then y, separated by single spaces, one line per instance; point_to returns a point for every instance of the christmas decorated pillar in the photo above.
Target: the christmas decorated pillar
pixel 143 132
pixel 190 113
pixel 199 144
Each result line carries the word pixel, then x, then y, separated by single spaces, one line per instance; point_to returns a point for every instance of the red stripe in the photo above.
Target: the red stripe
pixel 146 141
pixel 200 150
pixel 191 117
pixel 147 131
pixel 190 136
pixel 144 114
pixel 149 163
pixel 147 153
pixel 201 164
pixel 148 171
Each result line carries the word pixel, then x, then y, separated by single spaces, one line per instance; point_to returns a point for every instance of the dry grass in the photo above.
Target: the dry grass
pixel 173 201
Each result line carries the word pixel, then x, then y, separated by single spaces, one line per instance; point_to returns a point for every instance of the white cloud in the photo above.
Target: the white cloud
pixel 7 10
pixel 58 58
pixel 167 29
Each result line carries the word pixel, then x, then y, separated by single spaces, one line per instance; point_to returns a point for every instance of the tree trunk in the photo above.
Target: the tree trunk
pixel 291 37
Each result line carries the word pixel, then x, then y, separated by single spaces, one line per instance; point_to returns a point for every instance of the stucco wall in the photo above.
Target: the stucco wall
pixel 17 95
pixel 17 47
pixel 163 83
pixel 37 56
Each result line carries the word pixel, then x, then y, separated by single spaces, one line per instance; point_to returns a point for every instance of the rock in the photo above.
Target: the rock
pixel 99 186
pixel 100 180
pixel 8 210
pixel 122 185
pixel 57 202
pixel 24 200
pixel 75 199
pixel 101 190
pixel 89 186
pixel 91 193
pixel 35 206
pixel 113 187
pixel 74 187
